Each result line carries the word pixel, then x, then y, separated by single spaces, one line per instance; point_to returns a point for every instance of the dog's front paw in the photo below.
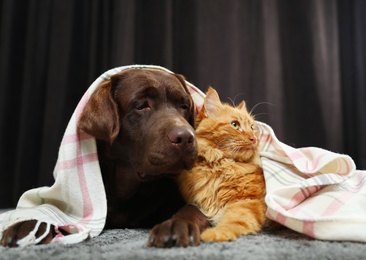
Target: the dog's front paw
pixel 218 235
pixel 175 232
pixel 16 232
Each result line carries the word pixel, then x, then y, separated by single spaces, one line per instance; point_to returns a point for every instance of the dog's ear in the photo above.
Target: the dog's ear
pixel 100 116
pixel 192 116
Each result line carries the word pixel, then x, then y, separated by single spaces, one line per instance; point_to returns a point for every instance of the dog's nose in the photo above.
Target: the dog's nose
pixel 181 136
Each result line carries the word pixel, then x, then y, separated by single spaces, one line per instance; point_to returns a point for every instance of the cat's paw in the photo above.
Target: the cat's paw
pixel 217 235
pixel 212 154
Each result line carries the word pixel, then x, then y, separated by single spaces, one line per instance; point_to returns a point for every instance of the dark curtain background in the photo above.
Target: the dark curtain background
pixel 302 61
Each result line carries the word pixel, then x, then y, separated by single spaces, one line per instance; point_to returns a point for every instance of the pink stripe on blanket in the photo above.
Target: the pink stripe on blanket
pixel 343 198
pixel 73 163
pixel 87 203
pixel 280 218
pixel 69 228
pixel 300 196
pixel 297 210
pixel 337 203
pixel 308 228
pixel 80 107
pixel 311 164
pixel 191 90
pixel 267 139
pixel 73 138
pixel 297 155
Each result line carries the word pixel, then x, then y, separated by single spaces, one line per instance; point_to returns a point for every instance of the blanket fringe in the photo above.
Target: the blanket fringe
pixel 31 238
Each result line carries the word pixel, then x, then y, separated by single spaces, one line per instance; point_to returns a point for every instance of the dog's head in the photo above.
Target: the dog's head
pixel 148 118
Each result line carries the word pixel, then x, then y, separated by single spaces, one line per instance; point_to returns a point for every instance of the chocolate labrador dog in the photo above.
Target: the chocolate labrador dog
pixel 143 121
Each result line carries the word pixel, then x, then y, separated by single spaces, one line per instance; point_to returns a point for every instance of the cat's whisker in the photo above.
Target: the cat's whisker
pixel 219 143
pixel 259 114
pixel 232 101
pixel 233 148
pixel 236 96
pixel 236 150
pixel 258 104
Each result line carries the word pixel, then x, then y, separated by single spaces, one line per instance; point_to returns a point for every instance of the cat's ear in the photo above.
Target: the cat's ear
pixel 242 106
pixel 212 103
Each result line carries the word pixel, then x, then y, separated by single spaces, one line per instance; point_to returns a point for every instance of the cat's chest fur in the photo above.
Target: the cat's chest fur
pixel 217 180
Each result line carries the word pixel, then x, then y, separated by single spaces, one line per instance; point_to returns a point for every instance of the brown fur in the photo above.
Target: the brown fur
pixel 227 182
pixel 143 121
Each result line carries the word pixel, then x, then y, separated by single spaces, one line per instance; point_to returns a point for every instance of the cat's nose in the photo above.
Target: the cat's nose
pixel 253 140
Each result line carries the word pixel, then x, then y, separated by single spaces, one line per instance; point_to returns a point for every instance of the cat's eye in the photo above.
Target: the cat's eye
pixel 235 125
pixel 252 127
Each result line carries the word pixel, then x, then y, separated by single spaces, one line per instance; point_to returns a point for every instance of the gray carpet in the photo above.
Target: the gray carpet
pixel 130 244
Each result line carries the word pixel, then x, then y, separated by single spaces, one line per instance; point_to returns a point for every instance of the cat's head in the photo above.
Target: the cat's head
pixel 230 129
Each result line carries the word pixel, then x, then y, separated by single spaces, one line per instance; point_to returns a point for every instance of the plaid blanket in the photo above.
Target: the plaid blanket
pixel 310 190
pixel 313 191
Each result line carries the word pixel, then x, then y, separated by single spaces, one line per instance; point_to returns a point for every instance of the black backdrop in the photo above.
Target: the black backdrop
pixel 303 60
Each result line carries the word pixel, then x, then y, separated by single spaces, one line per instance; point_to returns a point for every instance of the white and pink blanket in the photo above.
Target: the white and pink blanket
pixel 310 190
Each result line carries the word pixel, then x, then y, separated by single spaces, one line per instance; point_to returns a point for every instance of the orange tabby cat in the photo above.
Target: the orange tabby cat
pixel 227 182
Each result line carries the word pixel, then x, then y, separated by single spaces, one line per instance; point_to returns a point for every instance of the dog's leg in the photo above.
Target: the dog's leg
pixel 183 229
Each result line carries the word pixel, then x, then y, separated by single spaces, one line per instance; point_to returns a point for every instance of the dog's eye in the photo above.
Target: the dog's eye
pixel 142 105
pixel 184 105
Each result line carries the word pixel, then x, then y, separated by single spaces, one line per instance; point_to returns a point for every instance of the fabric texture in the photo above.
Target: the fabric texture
pixel 313 191
pixel 310 190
